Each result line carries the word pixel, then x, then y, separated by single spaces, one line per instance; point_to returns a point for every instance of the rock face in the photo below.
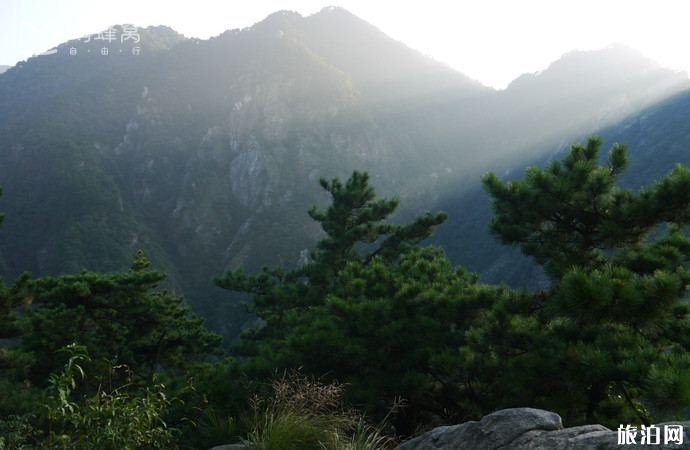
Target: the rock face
pixel 536 429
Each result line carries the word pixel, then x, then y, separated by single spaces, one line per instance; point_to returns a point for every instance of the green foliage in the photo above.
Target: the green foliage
pixel 393 331
pixel 10 301
pixel 120 420
pixel 212 399
pixel 613 328
pixel 571 213
pixel 62 384
pixel 120 317
pixel 17 432
pixel 106 420
pixel 370 308
pixel 354 232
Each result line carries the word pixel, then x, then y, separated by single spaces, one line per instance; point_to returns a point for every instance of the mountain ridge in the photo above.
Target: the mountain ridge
pixel 207 153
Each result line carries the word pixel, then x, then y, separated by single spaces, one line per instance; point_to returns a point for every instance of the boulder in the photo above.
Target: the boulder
pixel 535 429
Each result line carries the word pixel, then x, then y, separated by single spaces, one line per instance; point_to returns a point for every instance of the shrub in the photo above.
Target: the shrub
pixel 307 414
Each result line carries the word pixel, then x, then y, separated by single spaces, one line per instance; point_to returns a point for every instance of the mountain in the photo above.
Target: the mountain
pixel 581 92
pixel 658 138
pixel 206 154
pixel 4 68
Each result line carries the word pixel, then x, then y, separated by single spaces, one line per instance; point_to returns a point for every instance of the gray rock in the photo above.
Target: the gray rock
pixel 584 437
pixel 493 431
pixel 532 429
pixel 230 447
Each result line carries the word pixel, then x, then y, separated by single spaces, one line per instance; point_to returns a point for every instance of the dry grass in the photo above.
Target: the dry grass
pixel 306 414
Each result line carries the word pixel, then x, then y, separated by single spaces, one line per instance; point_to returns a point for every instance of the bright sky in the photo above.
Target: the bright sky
pixel 493 41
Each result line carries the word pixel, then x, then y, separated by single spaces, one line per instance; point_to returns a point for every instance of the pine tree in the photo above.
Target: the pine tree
pixel 371 308
pixel 613 330
pixel 392 331
pixel 119 317
pixel 355 232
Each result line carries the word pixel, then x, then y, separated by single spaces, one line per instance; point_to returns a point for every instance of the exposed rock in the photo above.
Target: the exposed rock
pixel 230 447
pixel 493 431
pixel 527 428
pixel 245 174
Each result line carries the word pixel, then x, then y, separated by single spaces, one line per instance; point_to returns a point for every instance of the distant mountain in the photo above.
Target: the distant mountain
pixel 4 68
pixel 658 138
pixel 581 92
pixel 206 154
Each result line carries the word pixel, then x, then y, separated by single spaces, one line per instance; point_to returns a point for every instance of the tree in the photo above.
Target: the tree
pixel 371 308
pixel 355 232
pixel 613 329
pixel 392 331
pixel 119 317
pixel 572 214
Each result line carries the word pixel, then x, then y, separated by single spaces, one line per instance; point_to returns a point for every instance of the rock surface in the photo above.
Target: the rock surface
pixel 535 429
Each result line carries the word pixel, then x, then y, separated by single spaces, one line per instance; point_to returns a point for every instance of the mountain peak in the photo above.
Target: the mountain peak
pixel 339 16
pixel 336 11
pixel 331 9
pixel 608 65
pixel 282 15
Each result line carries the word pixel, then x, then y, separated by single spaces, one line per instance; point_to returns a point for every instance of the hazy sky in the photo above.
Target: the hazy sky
pixel 491 41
